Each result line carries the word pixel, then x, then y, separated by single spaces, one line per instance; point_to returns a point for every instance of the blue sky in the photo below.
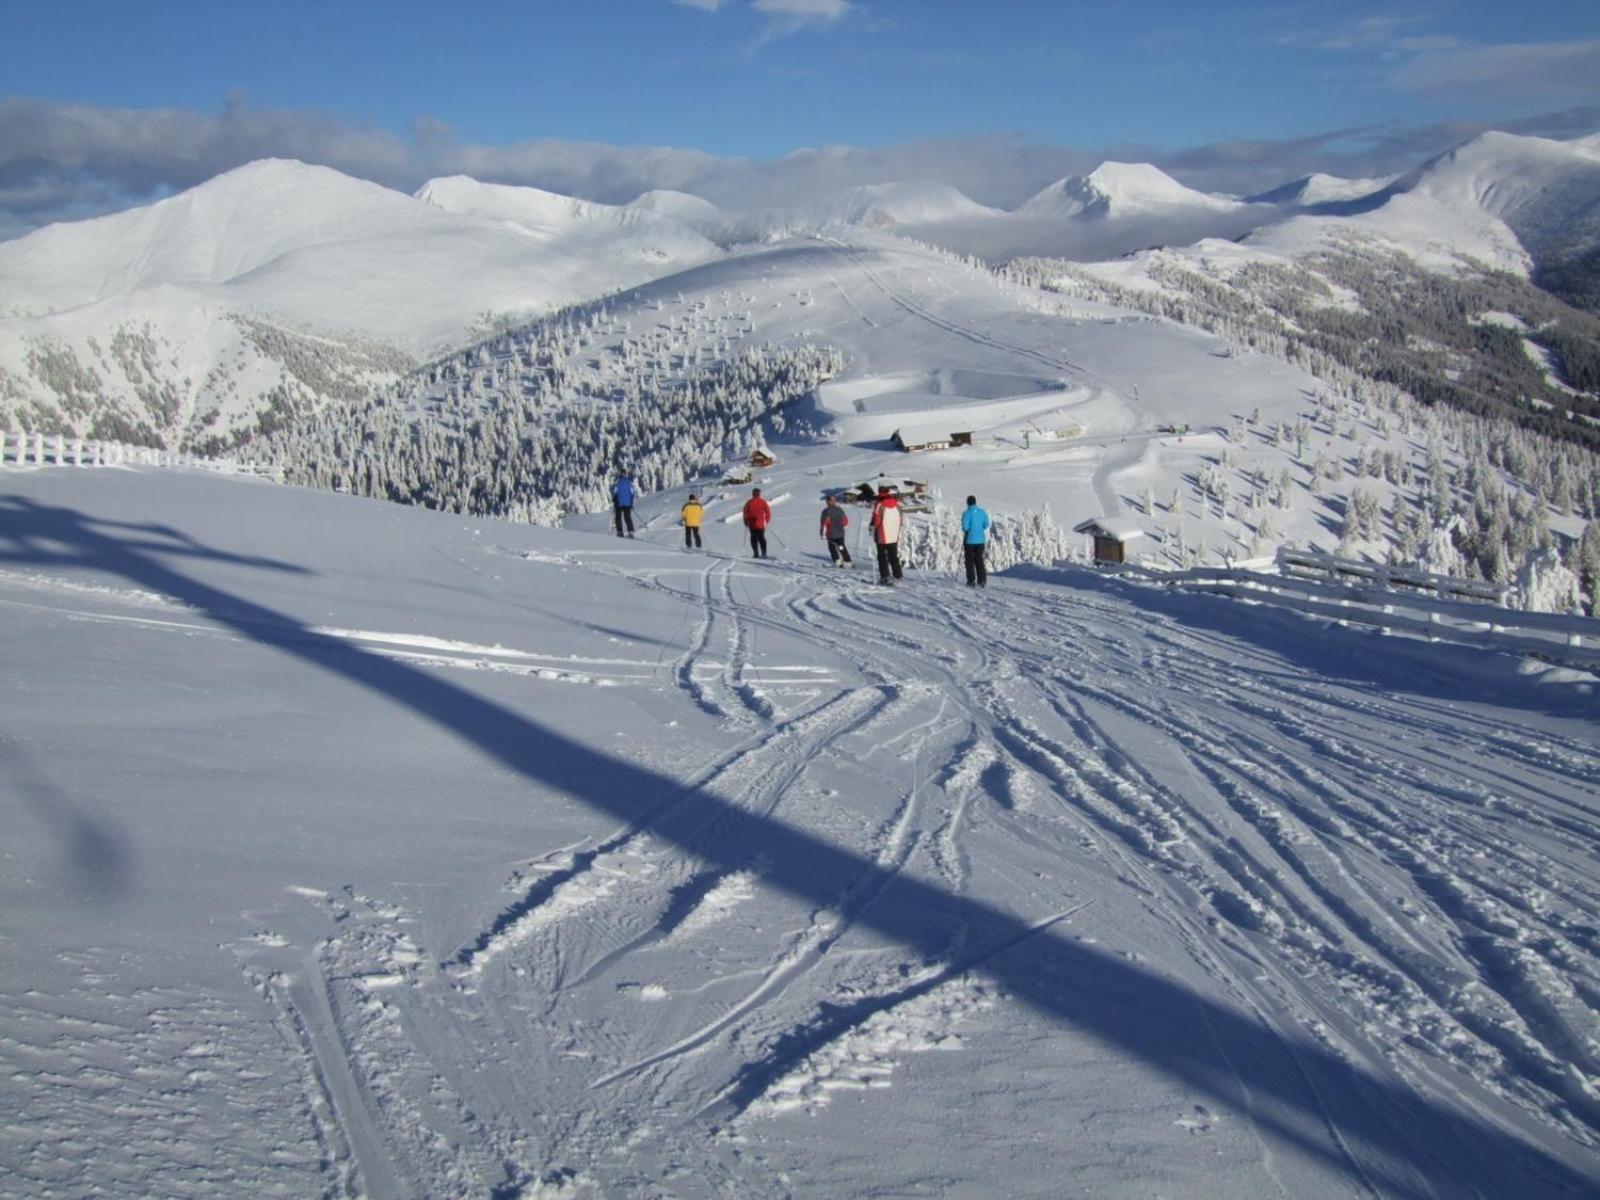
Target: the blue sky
pixel 106 100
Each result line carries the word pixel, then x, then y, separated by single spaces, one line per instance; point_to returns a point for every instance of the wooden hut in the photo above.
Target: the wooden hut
pixel 761 459
pixel 912 440
pixel 1111 537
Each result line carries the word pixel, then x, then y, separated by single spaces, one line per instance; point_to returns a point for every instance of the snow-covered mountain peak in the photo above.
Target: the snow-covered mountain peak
pixel 551 215
pixel 705 218
pixel 1318 189
pixel 1501 172
pixel 1118 189
pixel 1140 182
pixel 527 205
pixel 211 233
pixel 906 202
pixel 1547 192
pixel 373 277
pixel 681 205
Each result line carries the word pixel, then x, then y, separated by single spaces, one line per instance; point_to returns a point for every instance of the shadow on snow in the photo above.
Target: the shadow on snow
pixel 1384 1137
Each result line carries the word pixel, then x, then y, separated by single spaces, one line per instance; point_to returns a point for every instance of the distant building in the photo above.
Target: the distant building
pixel 760 458
pixel 1060 433
pixel 867 491
pixel 1111 537
pixel 911 440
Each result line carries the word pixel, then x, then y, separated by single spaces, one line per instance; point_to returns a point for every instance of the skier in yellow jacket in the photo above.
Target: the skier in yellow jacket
pixel 693 511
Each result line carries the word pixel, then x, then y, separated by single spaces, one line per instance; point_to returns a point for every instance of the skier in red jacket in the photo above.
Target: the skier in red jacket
pixel 757 516
pixel 886 533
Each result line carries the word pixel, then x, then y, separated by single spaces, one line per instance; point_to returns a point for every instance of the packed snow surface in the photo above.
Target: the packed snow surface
pixel 358 850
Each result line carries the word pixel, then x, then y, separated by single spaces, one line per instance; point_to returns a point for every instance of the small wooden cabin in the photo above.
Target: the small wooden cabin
pixel 760 458
pixel 911 440
pixel 1111 537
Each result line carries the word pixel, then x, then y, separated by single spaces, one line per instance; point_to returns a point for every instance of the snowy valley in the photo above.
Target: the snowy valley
pixel 352 337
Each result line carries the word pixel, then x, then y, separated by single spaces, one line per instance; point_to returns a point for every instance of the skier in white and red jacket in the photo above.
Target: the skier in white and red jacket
pixel 886 533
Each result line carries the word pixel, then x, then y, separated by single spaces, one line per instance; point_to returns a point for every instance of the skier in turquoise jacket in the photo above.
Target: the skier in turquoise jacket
pixel 974 537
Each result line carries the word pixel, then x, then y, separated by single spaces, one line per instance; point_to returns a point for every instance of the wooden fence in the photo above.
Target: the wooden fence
pixel 1437 608
pixel 1305 564
pixel 58 450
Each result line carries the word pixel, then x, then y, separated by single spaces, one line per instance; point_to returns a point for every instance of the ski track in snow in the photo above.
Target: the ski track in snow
pixel 1268 820
pixel 1370 876
pixel 1402 882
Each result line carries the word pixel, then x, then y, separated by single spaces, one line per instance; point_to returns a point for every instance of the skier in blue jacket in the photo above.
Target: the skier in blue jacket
pixel 622 497
pixel 974 536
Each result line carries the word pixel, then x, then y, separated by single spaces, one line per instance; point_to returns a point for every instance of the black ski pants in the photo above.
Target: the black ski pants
pixel 758 542
pixel 691 537
pixel 623 512
pixel 888 561
pixel 837 552
pixel 977 576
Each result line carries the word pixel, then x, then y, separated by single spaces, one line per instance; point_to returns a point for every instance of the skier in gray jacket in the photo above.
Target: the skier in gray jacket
pixel 834 522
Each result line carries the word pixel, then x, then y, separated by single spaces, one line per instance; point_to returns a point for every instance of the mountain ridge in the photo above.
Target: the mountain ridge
pixel 343 266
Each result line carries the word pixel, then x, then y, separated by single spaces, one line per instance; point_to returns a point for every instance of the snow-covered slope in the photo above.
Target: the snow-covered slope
pixel 1547 192
pixel 1510 201
pixel 680 206
pixel 357 272
pixel 357 850
pixel 928 340
pixel 268 292
pixel 1440 236
pixel 1114 209
pixel 908 203
pixel 639 231
pixel 1222 453
pixel 530 207
pixel 1318 189
pixel 705 218
pixel 279 214
pixel 211 234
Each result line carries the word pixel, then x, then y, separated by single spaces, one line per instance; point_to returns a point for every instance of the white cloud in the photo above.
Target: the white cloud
pixel 1366 33
pixel 1566 70
pixel 1382 33
pixel 822 12
pixel 788 15
pixel 1443 66
pixel 67 161
pixel 784 17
